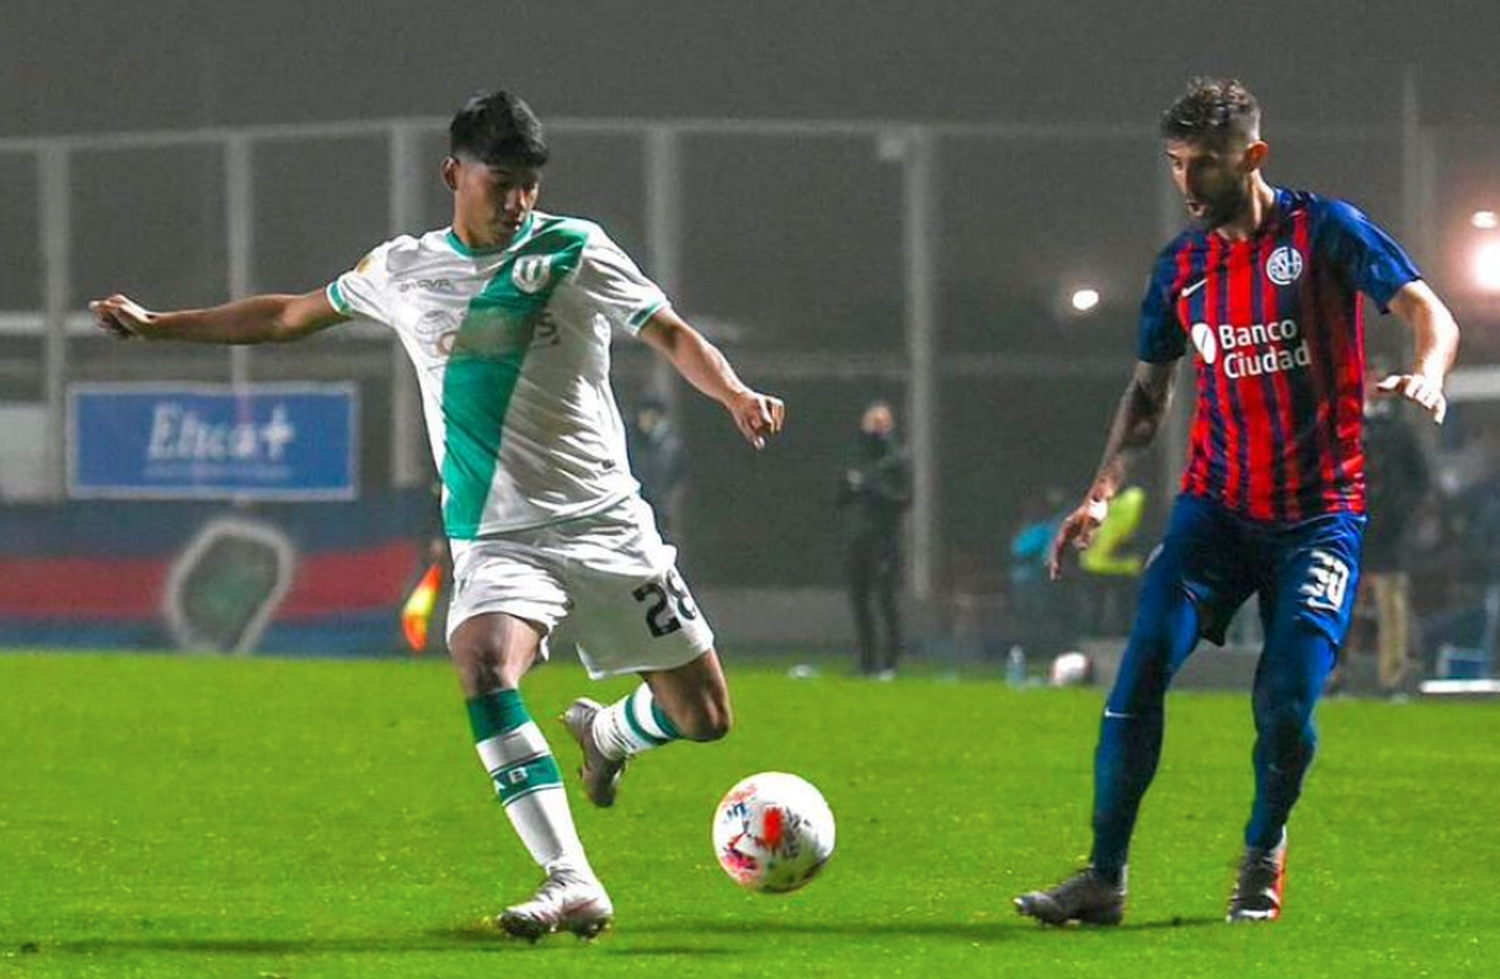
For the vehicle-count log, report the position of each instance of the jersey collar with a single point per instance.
(522, 233)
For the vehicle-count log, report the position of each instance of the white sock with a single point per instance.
(632, 725)
(529, 784)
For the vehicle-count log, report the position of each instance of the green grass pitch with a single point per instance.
(198, 817)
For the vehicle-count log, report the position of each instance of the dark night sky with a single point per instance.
(71, 66)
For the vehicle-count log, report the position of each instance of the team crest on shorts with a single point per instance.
(1284, 266)
(532, 273)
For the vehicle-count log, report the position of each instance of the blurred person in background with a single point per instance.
(1042, 624)
(873, 495)
(1397, 483)
(656, 459)
(507, 316)
(1265, 287)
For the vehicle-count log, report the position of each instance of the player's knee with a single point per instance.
(482, 668)
(1290, 725)
(709, 721)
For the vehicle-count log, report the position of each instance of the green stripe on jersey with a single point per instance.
(485, 366)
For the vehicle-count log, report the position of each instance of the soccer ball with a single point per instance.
(773, 832)
(1070, 670)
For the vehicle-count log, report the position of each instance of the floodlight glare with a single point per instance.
(1485, 220)
(1085, 299)
(1487, 266)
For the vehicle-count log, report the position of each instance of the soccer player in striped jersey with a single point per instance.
(1265, 291)
(507, 316)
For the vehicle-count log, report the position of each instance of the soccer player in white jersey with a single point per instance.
(507, 316)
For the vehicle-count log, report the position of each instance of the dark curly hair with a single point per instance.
(495, 128)
(1212, 110)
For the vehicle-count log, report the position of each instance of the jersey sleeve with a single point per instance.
(1366, 256)
(1160, 338)
(362, 291)
(616, 287)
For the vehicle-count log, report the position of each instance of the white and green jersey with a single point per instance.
(511, 347)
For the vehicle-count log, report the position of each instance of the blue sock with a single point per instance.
(1130, 735)
(1288, 683)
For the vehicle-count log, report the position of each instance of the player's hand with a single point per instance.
(757, 416)
(1078, 530)
(122, 317)
(1418, 388)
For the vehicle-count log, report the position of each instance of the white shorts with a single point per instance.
(605, 583)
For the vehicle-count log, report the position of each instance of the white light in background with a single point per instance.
(1085, 299)
(1487, 266)
(1485, 220)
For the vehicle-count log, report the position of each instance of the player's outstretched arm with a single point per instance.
(258, 319)
(1140, 414)
(1436, 342)
(757, 416)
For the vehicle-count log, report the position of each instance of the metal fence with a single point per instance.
(835, 261)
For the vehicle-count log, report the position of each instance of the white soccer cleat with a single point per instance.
(566, 902)
(599, 773)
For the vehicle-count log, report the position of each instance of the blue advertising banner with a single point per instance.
(258, 442)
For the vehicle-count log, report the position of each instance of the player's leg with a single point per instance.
(1306, 615)
(1165, 632)
(508, 595)
(887, 586)
(492, 652)
(693, 699)
(860, 574)
(1393, 618)
(633, 613)
(688, 702)
(1193, 566)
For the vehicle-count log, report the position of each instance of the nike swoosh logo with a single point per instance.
(1189, 290)
(1116, 714)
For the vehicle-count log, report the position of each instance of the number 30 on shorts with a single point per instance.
(667, 603)
(1327, 582)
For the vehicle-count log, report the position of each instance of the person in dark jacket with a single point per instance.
(656, 459)
(873, 495)
(1397, 480)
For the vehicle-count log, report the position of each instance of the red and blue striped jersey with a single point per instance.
(1277, 323)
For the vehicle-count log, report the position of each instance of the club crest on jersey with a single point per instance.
(532, 273)
(1284, 266)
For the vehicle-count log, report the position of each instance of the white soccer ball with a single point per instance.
(1070, 670)
(773, 832)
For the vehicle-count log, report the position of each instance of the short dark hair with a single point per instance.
(1212, 110)
(497, 127)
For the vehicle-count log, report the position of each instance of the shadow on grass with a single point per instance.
(969, 931)
(482, 939)
(477, 938)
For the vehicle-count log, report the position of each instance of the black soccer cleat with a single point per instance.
(1261, 885)
(1086, 897)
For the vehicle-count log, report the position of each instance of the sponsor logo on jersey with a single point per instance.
(431, 285)
(531, 273)
(1250, 351)
(1203, 339)
(437, 330)
(1284, 266)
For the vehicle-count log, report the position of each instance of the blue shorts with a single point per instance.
(1308, 569)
